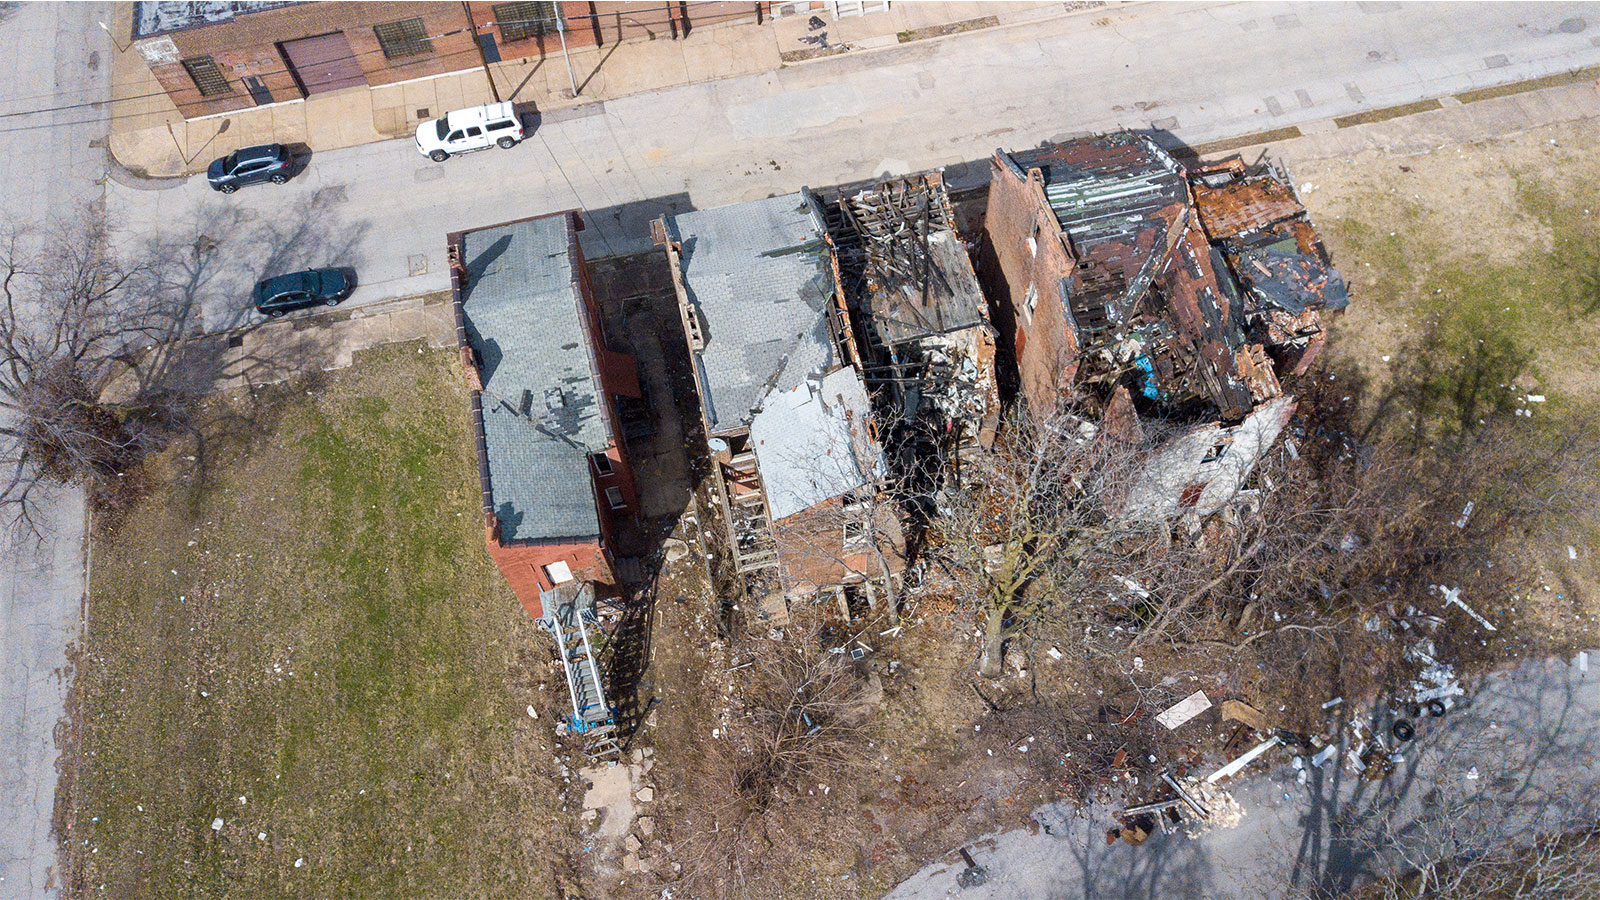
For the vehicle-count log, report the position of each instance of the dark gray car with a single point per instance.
(250, 165)
(317, 287)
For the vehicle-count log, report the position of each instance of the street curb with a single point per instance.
(128, 178)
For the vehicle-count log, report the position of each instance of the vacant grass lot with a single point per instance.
(298, 634)
(1475, 282)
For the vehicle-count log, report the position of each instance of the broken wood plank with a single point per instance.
(1184, 710)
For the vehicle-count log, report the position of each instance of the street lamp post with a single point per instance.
(561, 29)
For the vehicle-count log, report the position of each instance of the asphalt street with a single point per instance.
(1521, 758)
(54, 52)
(1198, 71)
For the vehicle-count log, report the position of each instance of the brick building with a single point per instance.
(220, 55)
(797, 464)
(555, 478)
(1108, 272)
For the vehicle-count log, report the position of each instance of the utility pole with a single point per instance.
(561, 29)
(487, 73)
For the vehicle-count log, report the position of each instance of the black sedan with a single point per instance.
(250, 165)
(317, 287)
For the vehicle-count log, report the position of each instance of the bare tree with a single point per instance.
(76, 320)
(1024, 521)
(802, 719)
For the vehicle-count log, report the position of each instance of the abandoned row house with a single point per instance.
(1133, 286)
(826, 330)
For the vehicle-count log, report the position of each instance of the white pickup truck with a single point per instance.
(466, 130)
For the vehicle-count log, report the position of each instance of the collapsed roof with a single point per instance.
(919, 280)
(813, 443)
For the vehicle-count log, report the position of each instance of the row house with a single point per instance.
(798, 467)
(554, 473)
(927, 339)
(1129, 283)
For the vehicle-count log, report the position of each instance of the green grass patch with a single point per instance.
(1483, 321)
(1385, 114)
(300, 634)
(1506, 90)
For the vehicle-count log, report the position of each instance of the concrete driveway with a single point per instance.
(1531, 735)
(1198, 71)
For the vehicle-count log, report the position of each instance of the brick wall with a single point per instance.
(250, 45)
(523, 567)
(1024, 249)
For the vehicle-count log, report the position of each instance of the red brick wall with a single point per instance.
(247, 45)
(523, 567)
(1044, 343)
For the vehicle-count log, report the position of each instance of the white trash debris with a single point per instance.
(299, 862)
(1325, 755)
(1184, 710)
(1572, 552)
(532, 713)
(1237, 765)
(1472, 773)
(216, 824)
(1535, 398)
(1054, 653)
(1466, 513)
(1332, 703)
(1453, 596)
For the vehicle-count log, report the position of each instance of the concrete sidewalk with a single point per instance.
(150, 138)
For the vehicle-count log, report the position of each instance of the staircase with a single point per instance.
(569, 617)
(749, 527)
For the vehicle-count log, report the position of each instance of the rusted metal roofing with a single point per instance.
(1247, 204)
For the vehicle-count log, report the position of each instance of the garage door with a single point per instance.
(324, 63)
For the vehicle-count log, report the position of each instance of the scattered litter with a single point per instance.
(1325, 755)
(1472, 773)
(1234, 767)
(1583, 660)
(1054, 653)
(1572, 553)
(1332, 703)
(1184, 710)
(1453, 595)
(216, 824)
(1138, 663)
(532, 713)
(299, 862)
(261, 835)
(1535, 398)
(1466, 513)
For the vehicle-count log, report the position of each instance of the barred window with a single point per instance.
(525, 20)
(207, 77)
(406, 37)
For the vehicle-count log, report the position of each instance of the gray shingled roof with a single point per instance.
(541, 406)
(758, 277)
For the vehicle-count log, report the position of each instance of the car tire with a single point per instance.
(228, 188)
(275, 314)
(438, 156)
(506, 143)
(279, 178)
(333, 301)
(1436, 708)
(1402, 730)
